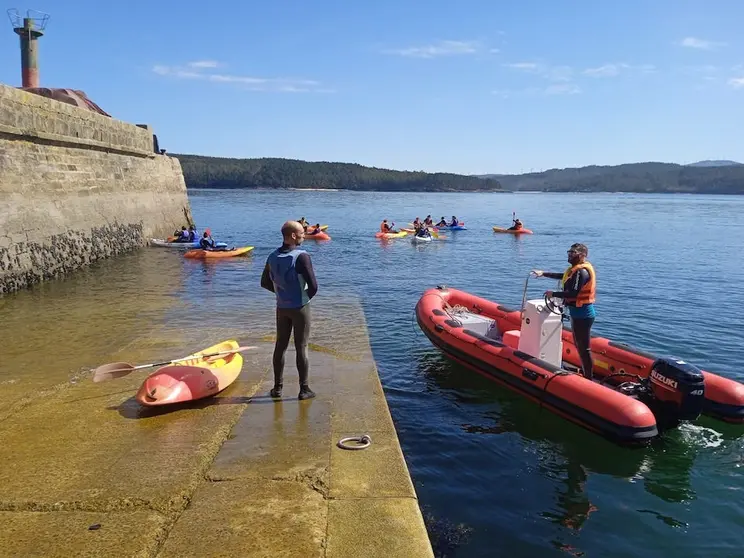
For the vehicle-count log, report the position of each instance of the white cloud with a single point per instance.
(645, 68)
(607, 70)
(737, 83)
(615, 69)
(176, 72)
(494, 50)
(552, 73)
(441, 48)
(204, 64)
(702, 44)
(286, 85)
(526, 66)
(563, 89)
(561, 75)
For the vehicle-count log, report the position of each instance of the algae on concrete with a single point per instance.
(238, 474)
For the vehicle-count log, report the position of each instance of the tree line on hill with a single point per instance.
(706, 177)
(218, 172)
(635, 177)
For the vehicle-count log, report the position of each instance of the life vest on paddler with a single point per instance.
(384, 227)
(587, 294)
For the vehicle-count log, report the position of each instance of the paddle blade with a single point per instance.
(112, 371)
(116, 370)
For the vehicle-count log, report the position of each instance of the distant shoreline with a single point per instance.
(418, 192)
(293, 174)
(355, 190)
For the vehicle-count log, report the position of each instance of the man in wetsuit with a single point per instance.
(579, 285)
(289, 274)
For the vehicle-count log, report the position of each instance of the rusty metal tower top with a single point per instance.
(29, 29)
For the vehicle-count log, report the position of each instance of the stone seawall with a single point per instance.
(76, 187)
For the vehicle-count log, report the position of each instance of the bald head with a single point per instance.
(292, 232)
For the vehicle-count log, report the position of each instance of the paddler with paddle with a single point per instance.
(385, 228)
(579, 286)
(207, 243)
(517, 226)
(289, 274)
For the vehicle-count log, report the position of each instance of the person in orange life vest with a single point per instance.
(417, 223)
(579, 283)
(385, 228)
(428, 221)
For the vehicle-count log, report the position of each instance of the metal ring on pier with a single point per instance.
(364, 440)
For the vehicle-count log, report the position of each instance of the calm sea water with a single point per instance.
(494, 474)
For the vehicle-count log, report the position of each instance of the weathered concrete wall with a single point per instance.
(75, 187)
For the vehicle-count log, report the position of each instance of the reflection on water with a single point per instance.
(495, 475)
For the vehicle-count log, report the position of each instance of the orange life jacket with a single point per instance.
(383, 227)
(587, 294)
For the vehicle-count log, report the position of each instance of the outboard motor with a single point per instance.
(675, 391)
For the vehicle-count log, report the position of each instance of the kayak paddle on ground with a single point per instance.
(120, 369)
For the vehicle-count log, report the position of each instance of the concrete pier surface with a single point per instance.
(89, 472)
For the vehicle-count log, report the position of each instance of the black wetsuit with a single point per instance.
(292, 319)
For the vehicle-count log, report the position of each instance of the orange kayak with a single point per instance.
(319, 236)
(200, 254)
(194, 379)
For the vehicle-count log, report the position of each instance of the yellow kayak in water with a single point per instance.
(399, 234)
(216, 254)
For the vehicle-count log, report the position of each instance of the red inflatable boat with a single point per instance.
(487, 337)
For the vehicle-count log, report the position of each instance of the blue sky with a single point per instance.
(468, 87)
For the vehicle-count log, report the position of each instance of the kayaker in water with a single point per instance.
(579, 286)
(442, 223)
(385, 228)
(454, 222)
(417, 223)
(182, 235)
(193, 235)
(289, 274)
(207, 243)
(428, 221)
(315, 229)
(516, 226)
(423, 231)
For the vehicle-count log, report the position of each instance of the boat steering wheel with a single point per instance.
(552, 305)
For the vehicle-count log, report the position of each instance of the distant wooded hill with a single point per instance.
(705, 177)
(218, 172)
